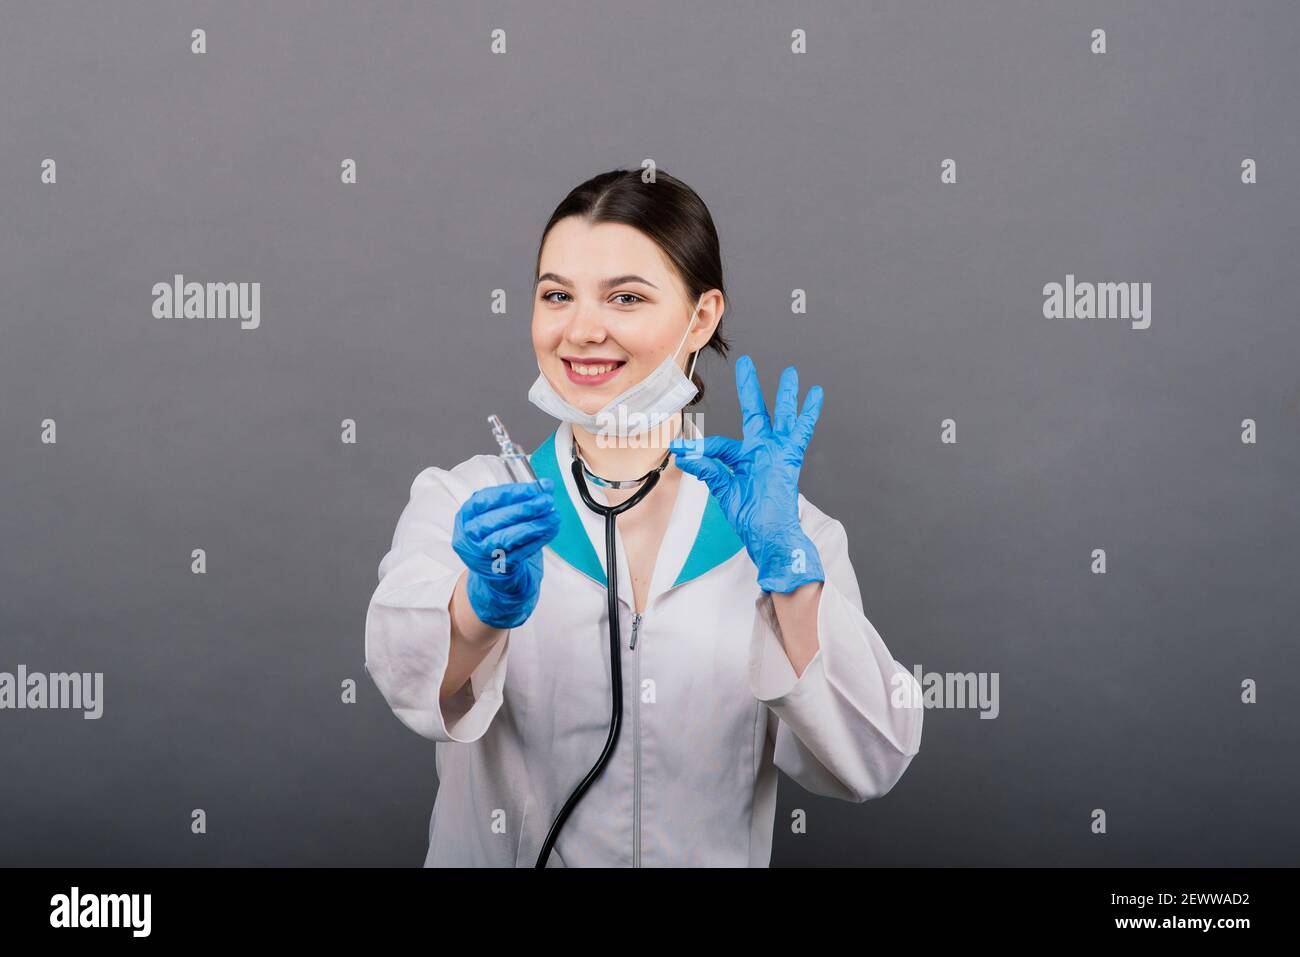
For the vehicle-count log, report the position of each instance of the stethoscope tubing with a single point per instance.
(610, 512)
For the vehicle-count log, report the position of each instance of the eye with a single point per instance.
(633, 295)
(554, 292)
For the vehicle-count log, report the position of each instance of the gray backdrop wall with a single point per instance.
(1119, 691)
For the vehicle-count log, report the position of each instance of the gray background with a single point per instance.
(822, 171)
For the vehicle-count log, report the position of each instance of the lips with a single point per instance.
(591, 371)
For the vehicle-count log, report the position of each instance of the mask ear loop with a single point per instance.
(696, 354)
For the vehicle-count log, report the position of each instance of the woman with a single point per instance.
(742, 638)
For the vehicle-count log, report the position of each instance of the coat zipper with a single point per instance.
(636, 742)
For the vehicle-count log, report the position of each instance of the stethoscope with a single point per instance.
(581, 475)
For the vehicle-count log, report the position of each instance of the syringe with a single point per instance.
(516, 459)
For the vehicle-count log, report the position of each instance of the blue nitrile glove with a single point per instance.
(499, 534)
(756, 480)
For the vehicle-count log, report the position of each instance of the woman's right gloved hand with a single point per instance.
(499, 535)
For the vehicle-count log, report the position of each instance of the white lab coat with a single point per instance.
(712, 705)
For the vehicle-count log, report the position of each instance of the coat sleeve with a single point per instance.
(408, 622)
(849, 726)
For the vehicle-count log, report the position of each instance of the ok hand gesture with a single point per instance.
(756, 479)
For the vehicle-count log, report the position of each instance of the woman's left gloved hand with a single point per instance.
(756, 480)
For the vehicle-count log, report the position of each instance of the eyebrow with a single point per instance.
(605, 283)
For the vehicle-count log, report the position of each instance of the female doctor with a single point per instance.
(742, 641)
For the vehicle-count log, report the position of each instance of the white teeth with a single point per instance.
(591, 370)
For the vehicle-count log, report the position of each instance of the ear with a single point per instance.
(712, 306)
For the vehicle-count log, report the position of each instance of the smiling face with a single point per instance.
(609, 307)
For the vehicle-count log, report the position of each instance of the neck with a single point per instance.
(620, 459)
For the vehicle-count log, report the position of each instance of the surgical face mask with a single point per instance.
(645, 405)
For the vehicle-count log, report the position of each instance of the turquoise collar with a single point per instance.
(715, 540)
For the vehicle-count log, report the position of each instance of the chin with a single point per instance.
(587, 404)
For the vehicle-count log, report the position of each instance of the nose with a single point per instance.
(586, 324)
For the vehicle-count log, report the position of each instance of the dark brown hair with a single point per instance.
(670, 213)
